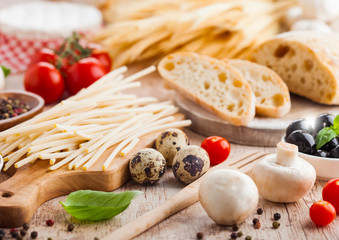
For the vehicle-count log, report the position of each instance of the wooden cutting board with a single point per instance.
(32, 185)
(261, 131)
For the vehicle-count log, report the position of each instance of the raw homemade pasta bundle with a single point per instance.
(80, 129)
(140, 30)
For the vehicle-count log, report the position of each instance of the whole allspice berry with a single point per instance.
(200, 235)
(70, 227)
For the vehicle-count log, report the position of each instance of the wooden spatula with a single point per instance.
(185, 198)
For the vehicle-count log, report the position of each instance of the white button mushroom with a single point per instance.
(228, 196)
(169, 142)
(283, 177)
(147, 166)
(190, 163)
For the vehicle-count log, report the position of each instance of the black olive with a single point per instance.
(299, 124)
(330, 145)
(321, 153)
(334, 152)
(323, 120)
(303, 140)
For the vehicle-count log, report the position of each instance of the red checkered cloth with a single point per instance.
(15, 53)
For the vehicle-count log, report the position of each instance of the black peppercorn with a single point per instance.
(234, 235)
(200, 235)
(248, 238)
(276, 216)
(22, 232)
(25, 226)
(70, 227)
(260, 211)
(2, 232)
(49, 238)
(96, 238)
(34, 234)
(275, 224)
(2, 236)
(240, 234)
(235, 228)
(255, 220)
(14, 234)
(18, 238)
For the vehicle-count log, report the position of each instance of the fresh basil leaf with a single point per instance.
(324, 135)
(96, 205)
(335, 125)
(5, 70)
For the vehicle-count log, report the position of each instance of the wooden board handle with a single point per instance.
(26, 190)
(186, 197)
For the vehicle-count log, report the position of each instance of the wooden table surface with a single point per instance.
(295, 221)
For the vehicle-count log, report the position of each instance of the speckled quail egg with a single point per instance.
(147, 166)
(190, 163)
(170, 142)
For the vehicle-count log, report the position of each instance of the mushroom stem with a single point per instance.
(286, 154)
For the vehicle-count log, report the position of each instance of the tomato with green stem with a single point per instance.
(45, 80)
(322, 213)
(218, 149)
(83, 73)
(44, 55)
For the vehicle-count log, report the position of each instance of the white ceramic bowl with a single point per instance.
(326, 168)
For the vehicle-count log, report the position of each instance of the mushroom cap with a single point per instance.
(228, 196)
(283, 184)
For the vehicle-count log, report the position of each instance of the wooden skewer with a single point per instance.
(185, 198)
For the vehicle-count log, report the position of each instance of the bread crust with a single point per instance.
(236, 120)
(322, 48)
(256, 70)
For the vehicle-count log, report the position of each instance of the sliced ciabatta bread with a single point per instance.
(212, 83)
(271, 93)
(307, 61)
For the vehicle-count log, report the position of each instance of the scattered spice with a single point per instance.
(25, 226)
(260, 211)
(248, 238)
(18, 238)
(96, 238)
(34, 234)
(50, 222)
(14, 234)
(10, 107)
(49, 238)
(200, 235)
(255, 220)
(234, 235)
(276, 216)
(12, 230)
(1, 236)
(276, 224)
(235, 228)
(257, 225)
(70, 227)
(240, 234)
(22, 232)
(2, 232)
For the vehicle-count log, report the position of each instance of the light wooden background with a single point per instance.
(295, 221)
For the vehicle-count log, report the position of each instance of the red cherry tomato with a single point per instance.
(331, 193)
(217, 148)
(83, 73)
(322, 213)
(103, 58)
(45, 80)
(43, 55)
